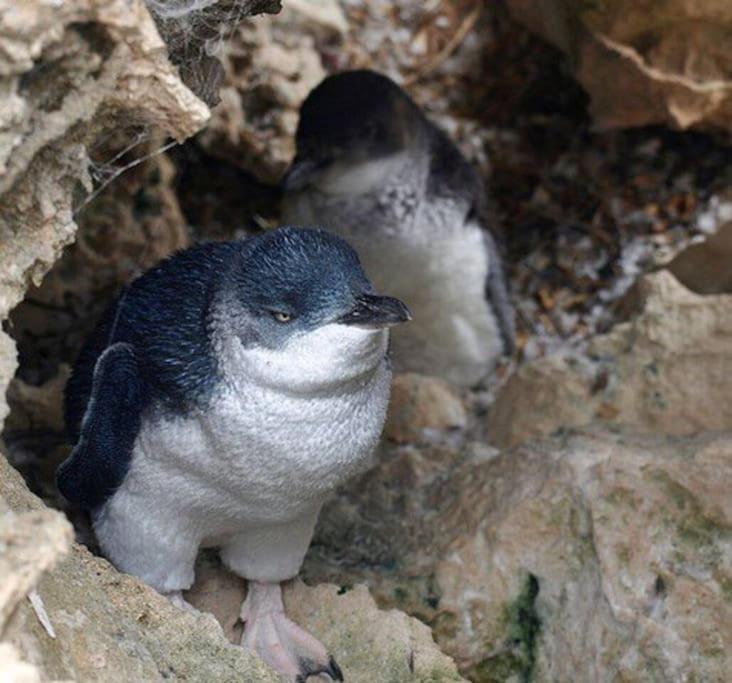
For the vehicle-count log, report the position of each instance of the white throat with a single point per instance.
(325, 359)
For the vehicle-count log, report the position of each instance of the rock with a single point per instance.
(8, 364)
(30, 543)
(108, 626)
(128, 228)
(419, 404)
(37, 407)
(705, 267)
(369, 644)
(325, 16)
(372, 644)
(13, 669)
(666, 64)
(589, 557)
(666, 370)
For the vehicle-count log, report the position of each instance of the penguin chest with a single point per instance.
(257, 455)
(302, 444)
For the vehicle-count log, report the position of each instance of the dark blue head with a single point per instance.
(350, 118)
(291, 281)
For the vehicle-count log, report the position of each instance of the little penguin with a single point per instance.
(370, 166)
(220, 400)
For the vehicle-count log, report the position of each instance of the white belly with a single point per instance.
(250, 472)
(258, 458)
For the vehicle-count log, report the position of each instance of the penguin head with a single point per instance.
(351, 119)
(298, 297)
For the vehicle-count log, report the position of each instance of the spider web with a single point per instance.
(195, 32)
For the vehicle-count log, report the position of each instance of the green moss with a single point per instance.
(700, 530)
(497, 669)
(622, 496)
(725, 583)
(624, 554)
(517, 658)
(698, 533)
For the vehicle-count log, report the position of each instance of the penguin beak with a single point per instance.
(300, 174)
(374, 312)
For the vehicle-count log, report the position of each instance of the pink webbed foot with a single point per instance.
(280, 642)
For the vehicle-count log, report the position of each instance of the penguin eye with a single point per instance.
(281, 317)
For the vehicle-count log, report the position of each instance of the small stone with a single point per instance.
(420, 403)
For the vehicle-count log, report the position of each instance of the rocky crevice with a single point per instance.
(593, 543)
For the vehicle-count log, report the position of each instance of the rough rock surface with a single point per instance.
(420, 405)
(31, 542)
(599, 556)
(667, 370)
(705, 267)
(369, 644)
(658, 63)
(130, 226)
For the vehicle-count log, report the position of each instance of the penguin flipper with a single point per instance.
(496, 292)
(101, 457)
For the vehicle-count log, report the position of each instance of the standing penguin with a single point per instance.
(223, 396)
(373, 168)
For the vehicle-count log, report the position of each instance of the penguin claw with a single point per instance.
(280, 642)
(309, 668)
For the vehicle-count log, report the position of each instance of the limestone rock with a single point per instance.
(591, 557)
(37, 406)
(8, 363)
(420, 404)
(644, 64)
(30, 543)
(369, 644)
(373, 644)
(13, 669)
(128, 228)
(666, 370)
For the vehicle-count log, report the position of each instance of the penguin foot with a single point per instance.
(280, 642)
(176, 597)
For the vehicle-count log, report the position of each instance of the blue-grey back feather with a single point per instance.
(100, 459)
(151, 347)
(453, 178)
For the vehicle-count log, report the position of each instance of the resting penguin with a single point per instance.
(371, 167)
(223, 396)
